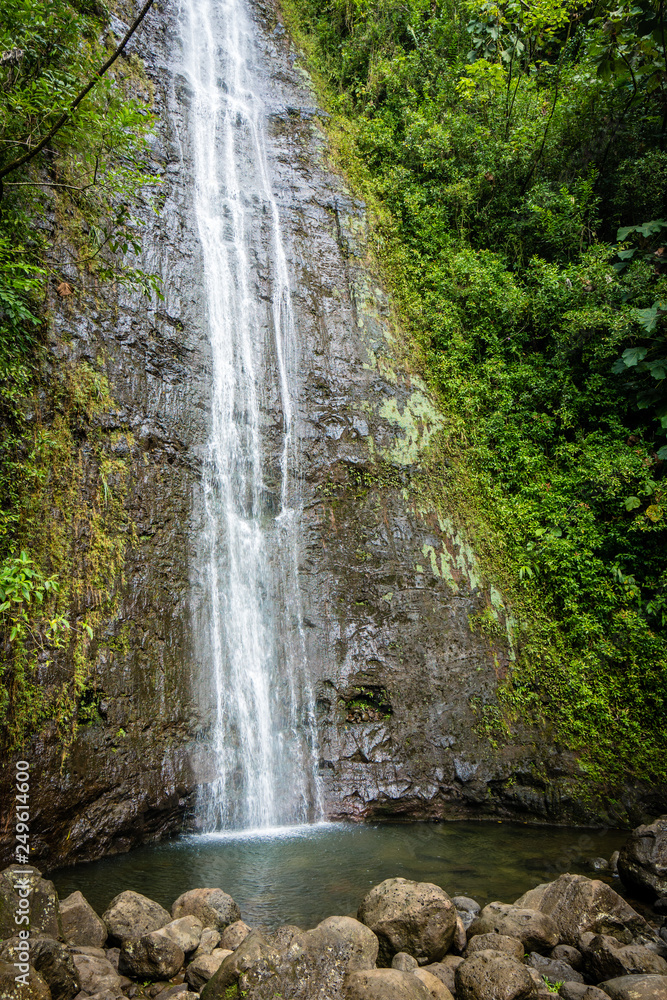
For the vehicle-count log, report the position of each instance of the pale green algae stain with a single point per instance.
(444, 563)
(497, 609)
(419, 421)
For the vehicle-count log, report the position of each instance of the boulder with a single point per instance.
(444, 973)
(113, 955)
(466, 908)
(606, 958)
(554, 970)
(213, 907)
(460, 939)
(80, 923)
(55, 965)
(186, 932)
(434, 985)
(642, 862)
(179, 992)
(404, 962)
(234, 934)
(35, 989)
(544, 990)
(636, 988)
(256, 947)
(310, 965)
(384, 984)
(210, 939)
(103, 995)
(362, 940)
(416, 917)
(578, 905)
(566, 953)
(42, 899)
(131, 915)
(497, 942)
(493, 975)
(152, 956)
(580, 991)
(535, 930)
(96, 974)
(202, 967)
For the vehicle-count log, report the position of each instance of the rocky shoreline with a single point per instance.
(575, 937)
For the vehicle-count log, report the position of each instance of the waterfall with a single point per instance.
(264, 736)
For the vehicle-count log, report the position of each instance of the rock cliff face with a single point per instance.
(390, 585)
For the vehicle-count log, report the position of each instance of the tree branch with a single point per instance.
(66, 115)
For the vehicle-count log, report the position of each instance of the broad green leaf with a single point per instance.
(633, 355)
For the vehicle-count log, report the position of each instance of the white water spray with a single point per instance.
(264, 739)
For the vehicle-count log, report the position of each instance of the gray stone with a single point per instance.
(433, 984)
(210, 939)
(642, 863)
(213, 907)
(554, 970)
(96, 974)
(537, 931)
(153, 956)
(35, 989)
(445, 973)
(384, 984)
(202, 967)
(581, 905)
(493, 975)
(606, 958)
(512, 946)
(362, 940)
(636, 988)
(55, 965)
(179, 992)
(404, 962)
(80, 923)
(581, 991)
(130, 915)
(460, 939)
(186, 932)
(566, 953)
(42, 902)
(301, 965)
(112, 955)
(416, 917)
(234, 934)
(466, 908)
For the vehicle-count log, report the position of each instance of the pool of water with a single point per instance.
(300, 875)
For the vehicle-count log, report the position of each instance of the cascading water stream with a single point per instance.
(264, 739)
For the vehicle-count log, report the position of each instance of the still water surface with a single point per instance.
(300, 875)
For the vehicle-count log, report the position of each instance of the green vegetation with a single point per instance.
(71, 173)
(513, 156)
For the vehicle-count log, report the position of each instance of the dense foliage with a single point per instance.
(516, 156)
(67, 212)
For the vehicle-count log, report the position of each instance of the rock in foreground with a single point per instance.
(642, 863)
(580, 905)
(130, 915)
(213, 907)
(416, 917)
